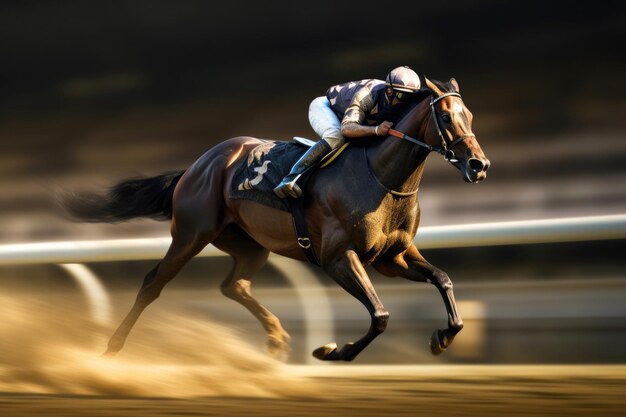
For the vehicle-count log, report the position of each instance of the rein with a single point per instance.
(384, 187)
(445, 149)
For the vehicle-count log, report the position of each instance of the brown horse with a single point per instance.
(362, 210)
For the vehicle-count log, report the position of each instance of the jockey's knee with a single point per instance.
(325, 122)
(333, 138)
(318, 103)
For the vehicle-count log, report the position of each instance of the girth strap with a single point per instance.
(298, 213)
(302, 230)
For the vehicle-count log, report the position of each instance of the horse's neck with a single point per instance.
(397, 163)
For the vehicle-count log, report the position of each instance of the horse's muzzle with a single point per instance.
(475, 169)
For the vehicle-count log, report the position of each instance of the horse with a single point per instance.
(362, 210)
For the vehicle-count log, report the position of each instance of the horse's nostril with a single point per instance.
(476, 165)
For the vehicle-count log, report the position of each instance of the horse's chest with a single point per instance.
(385, 230)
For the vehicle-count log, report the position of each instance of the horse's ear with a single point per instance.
(433, 87)
(454, 85)
(422, 79)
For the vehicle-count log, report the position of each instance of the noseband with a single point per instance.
(445, 149)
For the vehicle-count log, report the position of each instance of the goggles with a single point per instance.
(403, 96)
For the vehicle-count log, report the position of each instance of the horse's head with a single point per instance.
(451, 130)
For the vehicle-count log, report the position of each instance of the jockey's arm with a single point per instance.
(355, 130)
(352, 123)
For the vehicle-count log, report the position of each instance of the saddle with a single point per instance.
(265, 167)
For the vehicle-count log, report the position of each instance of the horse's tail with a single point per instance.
(134, 197)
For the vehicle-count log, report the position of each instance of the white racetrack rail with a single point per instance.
(466, 235)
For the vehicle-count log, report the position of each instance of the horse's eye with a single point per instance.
(446, 117)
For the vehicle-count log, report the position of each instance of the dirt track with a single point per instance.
(179, 362)
(348, 390)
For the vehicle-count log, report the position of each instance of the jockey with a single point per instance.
(352, 110)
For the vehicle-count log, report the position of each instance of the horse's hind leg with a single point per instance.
(350, 274)
(181, 250)
(248, 258)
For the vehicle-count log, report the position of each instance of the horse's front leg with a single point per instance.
(348, 272)
(412, 265)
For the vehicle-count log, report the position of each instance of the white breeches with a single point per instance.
(325, 122)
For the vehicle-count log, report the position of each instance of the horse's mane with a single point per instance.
(446, 87)
(424, 93)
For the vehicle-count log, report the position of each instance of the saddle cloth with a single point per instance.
(265, 167)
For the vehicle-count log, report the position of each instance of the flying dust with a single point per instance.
(177, 362)
(49, 345)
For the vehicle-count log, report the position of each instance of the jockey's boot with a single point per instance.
(288, 186)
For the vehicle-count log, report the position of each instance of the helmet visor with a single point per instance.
(402, 87)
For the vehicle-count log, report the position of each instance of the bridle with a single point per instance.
(445, 149)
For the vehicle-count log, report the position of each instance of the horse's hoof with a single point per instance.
(436, 347)
(326, 352)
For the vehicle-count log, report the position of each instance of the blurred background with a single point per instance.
(92, 93)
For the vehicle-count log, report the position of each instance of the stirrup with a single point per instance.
(288, 188)
(308, 160)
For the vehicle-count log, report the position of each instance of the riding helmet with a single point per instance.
(403, 79)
